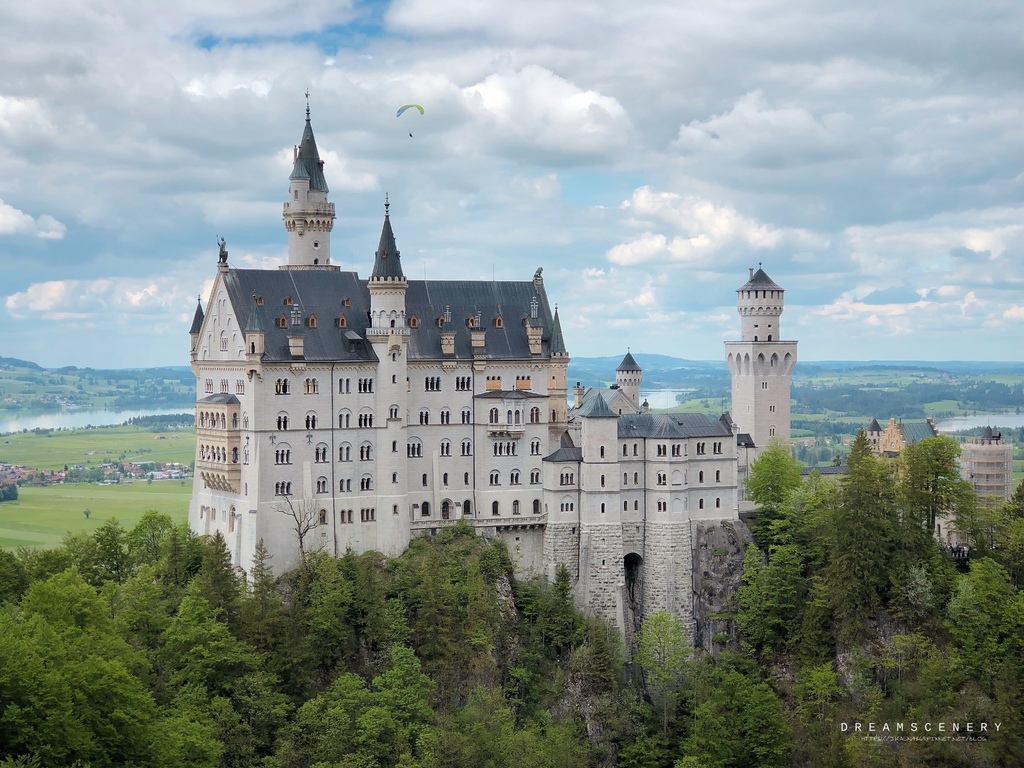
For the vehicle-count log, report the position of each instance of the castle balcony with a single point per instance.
(219, 475)
(514, 431)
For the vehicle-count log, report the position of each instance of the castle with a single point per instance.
(337, 412)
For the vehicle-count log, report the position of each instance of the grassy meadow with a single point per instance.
(91, 447)
(42, 515)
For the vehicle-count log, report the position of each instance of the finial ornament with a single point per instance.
(307, 103)
(223, 256)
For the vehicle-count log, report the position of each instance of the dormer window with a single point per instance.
(282, 322)
(499, 322)
(414, 322)
(288, 301)
(471, 321)
(440, 321)
(346, 302)
(259, 301)
(311, 321)
(342, 322)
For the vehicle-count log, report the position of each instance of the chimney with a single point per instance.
(577, 395)
(751, 272)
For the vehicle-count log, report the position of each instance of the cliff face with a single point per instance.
(718, 549)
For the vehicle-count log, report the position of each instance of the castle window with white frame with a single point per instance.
(424, 416)
(662, 478)
(718, 475)
(283, 454)
(467, 448)
(467, 416)
(446, 448)
(366, 483)
(764, 385)
(282, 421)
(535, 415)
(535, 477)
(345, 452)
(209, 386)
(366, 420)
(495, 477)
(717, 448)
(414, 449)
(320, 453)
(281, 387)
(446, 416)
(224, 386)
(393, 412)
(310, 420)
(495, 508)
(513, 478)
(535, 448)
(321, 485)
(239, 386)
(366, 452)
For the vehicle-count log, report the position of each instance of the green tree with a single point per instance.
(112, 556)
(662, 652)
(741, 725)
(930, 486)
(770, 596)
(148, 540)
(861, 539)
(774, 478)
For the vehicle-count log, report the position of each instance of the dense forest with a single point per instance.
(142, 647)
(906, 401)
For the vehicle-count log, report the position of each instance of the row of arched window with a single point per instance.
(211, 420)
(218, 454)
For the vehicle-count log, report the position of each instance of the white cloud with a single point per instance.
(99, 300)
(15, 222)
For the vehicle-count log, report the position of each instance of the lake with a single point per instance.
(74, 419)
(1000, 420)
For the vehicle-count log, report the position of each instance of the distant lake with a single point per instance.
(1002, 420)
(664, 398)
(76, 419)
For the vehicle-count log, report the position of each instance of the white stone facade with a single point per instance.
(363, 412)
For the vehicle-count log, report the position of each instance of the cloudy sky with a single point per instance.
(645, 154)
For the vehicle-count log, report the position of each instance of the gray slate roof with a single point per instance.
(595, 408)
(197, 318)
(916, 431)
(874, 426)
(566, 453)
(761, 282)
(321, 293)
(557, 342)
(308, 163)
(222, 398)
(628, 364)
(387, 262)
(670, 426)
(509, 394)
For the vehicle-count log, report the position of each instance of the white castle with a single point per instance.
(335, 412)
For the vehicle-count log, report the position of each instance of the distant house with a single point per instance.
(898, 434)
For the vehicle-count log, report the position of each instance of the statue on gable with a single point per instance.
(223, 258)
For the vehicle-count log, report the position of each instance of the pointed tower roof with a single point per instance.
(254, 325)
(874, 426)
(557, 342)
(596, 408)
(197, 319)
(628, 363)
(387, 261)
(760, 281)
(308, 164)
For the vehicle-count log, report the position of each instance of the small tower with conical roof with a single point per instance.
(628, 377)
(761, 364)
(388, 333)
(308, 215)
(197, 327)
(558, 386)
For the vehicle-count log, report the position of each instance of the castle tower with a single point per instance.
(602, 577)
(308, 216)
(628, 377)
(761, 364)
(388, 333)
(558, 386)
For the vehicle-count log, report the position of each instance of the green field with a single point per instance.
(52, 450)
(42, 515)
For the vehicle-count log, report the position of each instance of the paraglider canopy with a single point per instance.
(408, 106)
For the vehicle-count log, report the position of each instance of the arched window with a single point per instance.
(536, 506)
(495, 509)
(515, 507)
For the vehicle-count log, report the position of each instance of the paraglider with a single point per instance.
(408, 106)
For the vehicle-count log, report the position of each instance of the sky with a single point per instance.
(870, 156)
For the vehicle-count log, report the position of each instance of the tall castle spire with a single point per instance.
(387, 261)
(308, 215)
